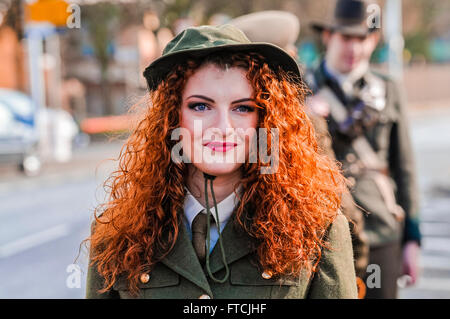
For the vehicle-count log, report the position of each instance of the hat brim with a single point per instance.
(352, 30)
(275, 57)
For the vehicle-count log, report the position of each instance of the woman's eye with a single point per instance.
(245, 108)
(198, 107)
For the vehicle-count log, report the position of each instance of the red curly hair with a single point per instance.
(290, 209)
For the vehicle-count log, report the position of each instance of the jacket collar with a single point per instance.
(183, 260)
(236, 242)
(324, 78)
(226, 207)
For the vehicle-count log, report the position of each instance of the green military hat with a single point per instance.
(198, 42)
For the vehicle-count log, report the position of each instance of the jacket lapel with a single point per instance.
(236, 243)
(183, 260)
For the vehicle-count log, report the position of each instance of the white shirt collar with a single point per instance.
(346, 81)
(226, 207)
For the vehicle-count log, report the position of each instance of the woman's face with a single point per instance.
(220, 117)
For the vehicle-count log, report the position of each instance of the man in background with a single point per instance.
(365, 115)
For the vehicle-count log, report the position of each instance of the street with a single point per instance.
(430, 131)
(44, 219)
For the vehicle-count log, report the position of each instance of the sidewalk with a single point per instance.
(430, 132)
(86, 162)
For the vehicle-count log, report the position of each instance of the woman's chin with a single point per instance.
(219, 169)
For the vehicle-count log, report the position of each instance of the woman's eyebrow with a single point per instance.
(202, 97)
(243, 100)
(212, 101)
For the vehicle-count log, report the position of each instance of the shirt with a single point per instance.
(226, 207)
(346, 81)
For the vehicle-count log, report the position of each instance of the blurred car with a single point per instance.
(19, 135)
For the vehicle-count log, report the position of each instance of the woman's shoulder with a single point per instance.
(336, 245)
(335, 277)
(339, 225)
(339, 228)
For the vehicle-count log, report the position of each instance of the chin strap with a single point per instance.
(208, 237)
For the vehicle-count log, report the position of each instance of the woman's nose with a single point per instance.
(224, 123)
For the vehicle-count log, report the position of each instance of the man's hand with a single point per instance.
(411, 253)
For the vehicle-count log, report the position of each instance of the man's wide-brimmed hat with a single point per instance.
(278, 27)
(349, 17)
(199, 42)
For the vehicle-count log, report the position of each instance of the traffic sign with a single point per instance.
(52, 11)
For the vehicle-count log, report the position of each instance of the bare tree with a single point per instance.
(103, 21)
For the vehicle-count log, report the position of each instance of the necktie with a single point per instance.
(199, 229)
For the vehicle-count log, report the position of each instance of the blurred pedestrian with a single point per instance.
(177, 226)
(73, 98)
(367, 121)
(282, 29)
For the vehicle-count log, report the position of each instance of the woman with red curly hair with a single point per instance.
(221, 190)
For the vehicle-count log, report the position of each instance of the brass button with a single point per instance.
(145, 278)
(204, 297)
(267, 274)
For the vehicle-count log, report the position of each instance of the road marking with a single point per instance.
(33, 240)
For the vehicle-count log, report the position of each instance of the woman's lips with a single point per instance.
(220, 146)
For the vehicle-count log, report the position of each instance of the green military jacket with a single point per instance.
(389, 138)
(180, 276)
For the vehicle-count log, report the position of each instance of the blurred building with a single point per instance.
(12, 66)
(119, 38)
(133, 41)
(12, 60)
